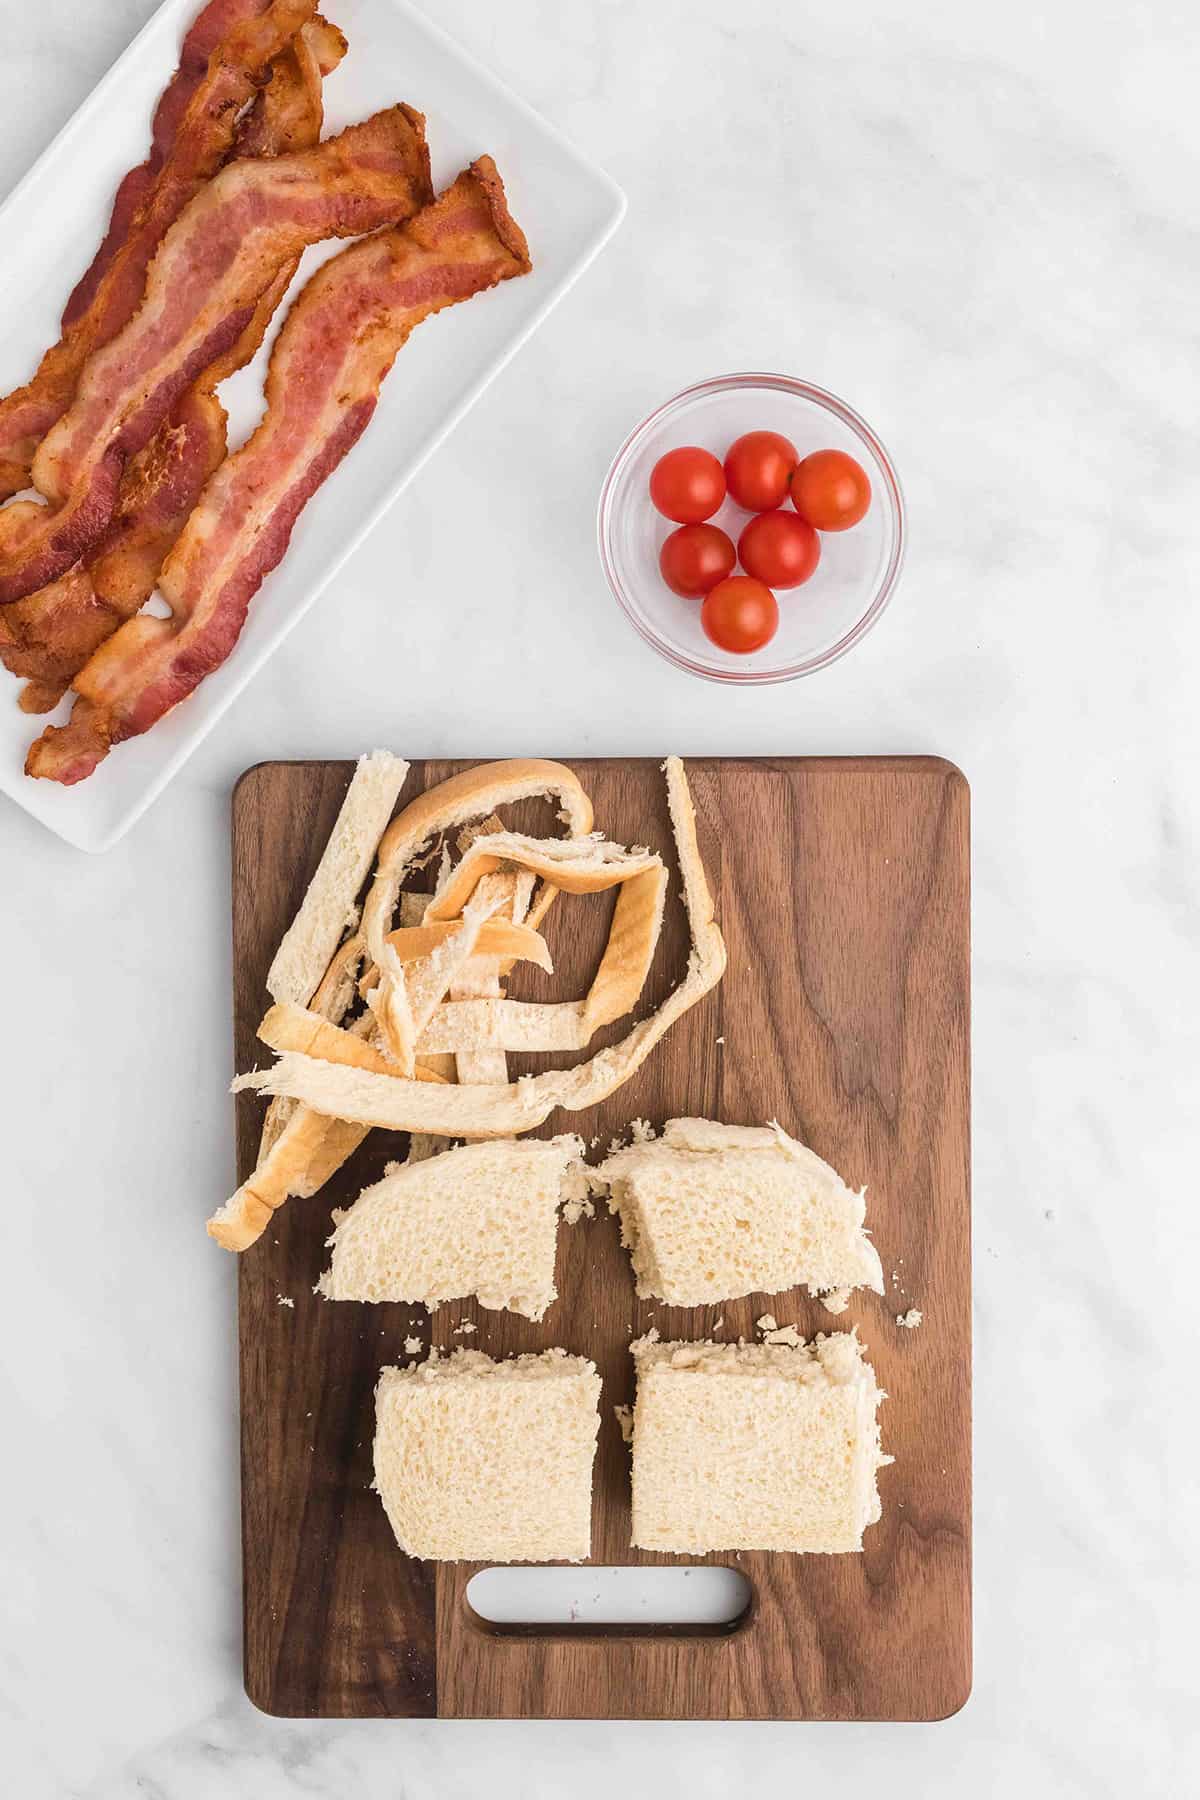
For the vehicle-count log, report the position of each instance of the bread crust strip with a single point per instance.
(498, 937)
(302, 1147)
(311, 940)
(405, 1105)
(404, 1003)
(502, 1024)
(310, 966)
(474, 794)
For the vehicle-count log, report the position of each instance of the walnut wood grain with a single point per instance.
(843, 890)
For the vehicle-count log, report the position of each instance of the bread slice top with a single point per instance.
(481, 1220)
(710, 1212)
(755, 1446)
(480, 1460)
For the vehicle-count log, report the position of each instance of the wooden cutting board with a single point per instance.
(842, 886)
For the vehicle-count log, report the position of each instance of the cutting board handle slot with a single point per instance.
(675, 1600)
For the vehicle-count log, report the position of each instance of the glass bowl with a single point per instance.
(858, 569)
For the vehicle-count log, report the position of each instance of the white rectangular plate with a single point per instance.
(567, 207)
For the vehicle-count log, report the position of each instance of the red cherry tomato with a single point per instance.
(694, 558)
(780, 549)
(687, 485)
(740, 614)
(757, 468)
(831, 490)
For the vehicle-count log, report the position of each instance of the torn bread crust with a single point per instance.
(490, 866)
(299, 1150)
(301, 1159)
(480, 979)
(328, 907)
(330, 991)
(502, 1024)
(472, 795)
(331, 1002)
(475, 794)
(288, 1027)
(300, 1147)
(306, 1147)
(405, 999)
(365, 1097)
(497, 938)
(572, 865)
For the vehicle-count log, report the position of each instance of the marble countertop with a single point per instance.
(977, 224)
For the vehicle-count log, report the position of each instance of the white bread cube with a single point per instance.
(710, 1212)
(488, 1461)
(754, 1446)
(481, 1220)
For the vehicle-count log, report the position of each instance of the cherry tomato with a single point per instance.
(831, 490)
(757, 468)
(780, 549)
(740, 614)
(687, 485)
(694, 558)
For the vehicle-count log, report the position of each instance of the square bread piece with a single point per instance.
(482, 1220)
(488, 1461)
(754, 1446)
(710, 1212)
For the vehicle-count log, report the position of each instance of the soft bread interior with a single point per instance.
(481, 1220)
(710, 1212)
(489, 1461)
(755, 1447)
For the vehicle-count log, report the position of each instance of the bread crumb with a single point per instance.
(720, 1040)
(285, 1300)
(836, 1300)
(910, 1319)
(576, 1190)
(625, 1421)
(768, 1322)
(785, 1334)
(717, 1323)
(641, 1132)
(413, 1346)
(465, 1327)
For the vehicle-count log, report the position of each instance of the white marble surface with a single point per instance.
(977, 223)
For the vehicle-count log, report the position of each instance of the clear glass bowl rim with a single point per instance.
(805, 390)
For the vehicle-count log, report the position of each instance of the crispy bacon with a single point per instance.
(194, 131)
(204, 35)
(336, 346)
(49, 635)
(281, 120)
(223, 253)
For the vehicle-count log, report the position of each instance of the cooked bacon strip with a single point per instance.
(205, 33)
(280, 121)
(318, 47)
(222, 254)
(49, 635)
(337, 344)
(194, 131)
